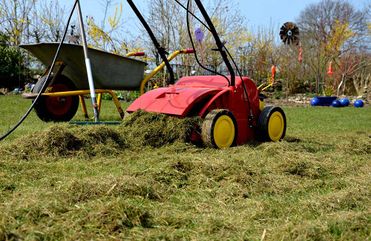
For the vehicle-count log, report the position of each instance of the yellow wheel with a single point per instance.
(272, 124)
(219, 129)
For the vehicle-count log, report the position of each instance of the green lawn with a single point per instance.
(314, 185)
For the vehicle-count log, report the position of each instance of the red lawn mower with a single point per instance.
(231, 107)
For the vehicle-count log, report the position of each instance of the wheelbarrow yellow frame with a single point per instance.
(81, 94)
(161, 66)
(99, 92)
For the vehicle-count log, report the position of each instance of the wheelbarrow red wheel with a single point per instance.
(58, 109)
(271, 124)
(219, 129)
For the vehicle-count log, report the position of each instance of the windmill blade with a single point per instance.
(289, 33)
(295, 31)
(284, 38)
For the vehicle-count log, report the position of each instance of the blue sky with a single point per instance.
(258, 13)
(265, 12)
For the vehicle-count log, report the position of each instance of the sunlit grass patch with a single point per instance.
(63, 182)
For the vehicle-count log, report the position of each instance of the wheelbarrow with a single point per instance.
(69, 80)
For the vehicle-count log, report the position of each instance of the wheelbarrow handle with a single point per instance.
(162, 65)
(187, 51)
(136, 54)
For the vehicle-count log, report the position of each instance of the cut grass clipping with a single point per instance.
(313, 185)
(140, 129)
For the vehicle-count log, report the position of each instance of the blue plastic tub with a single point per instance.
(323, 100)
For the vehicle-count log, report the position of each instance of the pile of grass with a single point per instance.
(156, 130)
(62, 141)
(314, 185)
(287, 189)
(139, 130)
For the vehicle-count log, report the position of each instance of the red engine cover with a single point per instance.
(171, 100)
(205, 93)
(179, 98)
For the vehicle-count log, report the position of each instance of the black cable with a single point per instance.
(199, 20)
(229, 54)
(194, 48)
(193, 15)
(226, 50)
(207, 27)
(251, 116)
(218, 42)
(239, 73)
(234, 63)
(46, 83)
(159, 48)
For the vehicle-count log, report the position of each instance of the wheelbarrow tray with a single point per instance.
(110, 71)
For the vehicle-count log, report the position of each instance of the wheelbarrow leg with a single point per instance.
(83, 106)
(117, 103)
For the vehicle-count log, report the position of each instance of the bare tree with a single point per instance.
(321, 24)
(14, 18)
(108, 34)
(262, 54)
(168, 21)
(350, 65)
(46, 22)
(164, 17)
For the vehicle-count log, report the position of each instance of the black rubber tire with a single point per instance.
(263, 123)
(43, 106)
(208, 125)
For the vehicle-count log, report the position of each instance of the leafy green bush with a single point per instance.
(12, 68)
